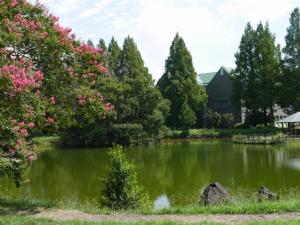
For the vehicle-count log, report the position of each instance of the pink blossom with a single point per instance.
(32, 25)
(109, 106)
(31, 158)
(19, 142)
(13, 3)
(30, 125)
(21, 124)
(16, 129)
(19, 18)
(24, 133)
(39, 25)
(81, 100)
(44, 35)
(38, 75)
(102, 68)
(53, 100)
(20, 78)
(50, 120)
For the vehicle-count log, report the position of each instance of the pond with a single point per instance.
(173, 173)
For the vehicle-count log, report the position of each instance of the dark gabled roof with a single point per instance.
(205, 78)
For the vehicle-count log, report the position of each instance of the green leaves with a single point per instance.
(256, 74)
(121, 189)
(290, 80)
(178, 84)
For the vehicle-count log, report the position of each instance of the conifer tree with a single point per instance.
(131, 64)
(114, 54)
(102, 45)
(256, 74)
(90, 43)
(290, 81)
(178, 84)
(139, 107)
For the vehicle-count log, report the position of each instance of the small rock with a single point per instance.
(214, 194)
(265, 194)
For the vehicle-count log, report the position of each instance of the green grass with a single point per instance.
(234, 208)
(25, 203)
(43, 143)
(27, 220)
(239, 206)
(221, 133)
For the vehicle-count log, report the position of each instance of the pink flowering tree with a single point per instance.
(48, 80)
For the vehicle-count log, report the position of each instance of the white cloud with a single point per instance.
(94, 9)
(210, 28)
(256, 10)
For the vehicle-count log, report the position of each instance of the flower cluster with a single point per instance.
(20, 78)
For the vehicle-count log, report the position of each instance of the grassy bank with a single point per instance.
(43, 143)
(234, 207)
(27, 220)
(221, 133)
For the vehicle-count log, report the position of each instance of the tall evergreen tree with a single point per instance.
(90, 43)
(102, 45)
(290, 89)
(256, 74)
(267, 57)
(114, 54)
(179, 85)
(131, 64)
(244, 80)
(139, 108)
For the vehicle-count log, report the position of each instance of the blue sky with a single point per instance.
(211, 28)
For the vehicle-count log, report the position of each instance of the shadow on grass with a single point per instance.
(23, 206)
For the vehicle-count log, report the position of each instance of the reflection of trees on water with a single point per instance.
(179, 170)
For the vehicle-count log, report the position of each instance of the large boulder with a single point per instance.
(214, 194)
(265, 194)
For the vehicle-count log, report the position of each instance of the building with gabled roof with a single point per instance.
(218, 87)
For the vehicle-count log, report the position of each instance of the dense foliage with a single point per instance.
(47, 80)
(289, 97)
(178, 84)
(139, 109)
(256, 74)
(121, 190)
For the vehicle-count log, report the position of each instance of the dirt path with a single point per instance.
(59, 214)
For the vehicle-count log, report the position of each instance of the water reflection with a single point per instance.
(171, 173)
(294, 163)
(162, 202)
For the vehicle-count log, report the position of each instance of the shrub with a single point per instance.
(121, 190)
(227, 120)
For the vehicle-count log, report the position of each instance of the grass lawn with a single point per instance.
(240, 206)
(221, 133)
(27, 220)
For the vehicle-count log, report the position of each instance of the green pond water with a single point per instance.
(173, 172)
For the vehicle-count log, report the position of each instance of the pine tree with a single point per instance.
(267, 66)
(114, 54)
(102, 45)
(290, 89)
(140, 107)
(178, 84)
(121, 189)
(131, 64)
(256, 74)
(90, 43)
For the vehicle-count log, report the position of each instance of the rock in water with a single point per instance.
(214, 194)
(265, 194)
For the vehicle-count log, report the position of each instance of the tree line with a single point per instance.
(267, 77)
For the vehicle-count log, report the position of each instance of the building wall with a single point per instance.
(219, 92)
